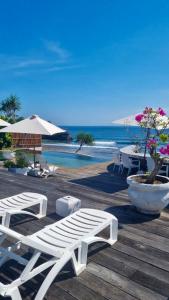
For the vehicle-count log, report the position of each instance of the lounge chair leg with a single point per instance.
(43, 209)
(113, 231)
(6, 219)
(51, 276)
(82, 258)
(5, 222)
(15, 294)
(84, 252)
(78, 266)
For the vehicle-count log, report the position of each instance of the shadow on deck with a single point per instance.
(104, 182)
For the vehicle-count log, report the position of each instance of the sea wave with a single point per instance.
(96, 145)
(99, 149)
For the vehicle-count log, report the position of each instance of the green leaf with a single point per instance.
(164, 137)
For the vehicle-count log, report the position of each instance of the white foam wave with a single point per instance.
(96, 145)
(100, 149)
(105, 143)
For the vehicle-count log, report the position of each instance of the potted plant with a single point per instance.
(149, 192)
(19, 166)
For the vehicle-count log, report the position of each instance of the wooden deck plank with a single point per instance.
(125, 284)
(133, 262)
(145, 274)
(78, 290)
(104, 288)
(146, 238)
(144, 255)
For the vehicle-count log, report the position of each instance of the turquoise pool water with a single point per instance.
(69, 160)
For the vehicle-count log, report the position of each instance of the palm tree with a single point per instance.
(84, 139)
(10, 106)
(5, 108)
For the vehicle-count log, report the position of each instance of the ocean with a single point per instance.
(106, 141)
(120, 134)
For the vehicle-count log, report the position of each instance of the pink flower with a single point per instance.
(164, 150)
(161, 112)
(139, 118)
(151, 143)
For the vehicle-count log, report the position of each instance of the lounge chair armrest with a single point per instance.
(11, 232)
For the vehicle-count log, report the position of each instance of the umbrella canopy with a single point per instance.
(127, 121)
(4, 123)
(33, 125)
(130, 121)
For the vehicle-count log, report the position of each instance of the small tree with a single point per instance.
(84, 139)
(156, 122)
(10, 106)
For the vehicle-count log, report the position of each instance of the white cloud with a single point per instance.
(21, 73)
(8, 62)
(60, 68)
(56, 48)
(30, 63)
(51, 58)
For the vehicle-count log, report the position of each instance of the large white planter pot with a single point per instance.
(21, 171)
(148, 198)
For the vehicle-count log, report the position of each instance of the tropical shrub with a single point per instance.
(21, 161)
(9, 164)
(84, 139)
(5, 140)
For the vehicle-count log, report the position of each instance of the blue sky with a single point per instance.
(85, 62)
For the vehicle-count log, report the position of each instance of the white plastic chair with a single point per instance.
(164, 170)
(59, 240)
(130, 163)
(117, 162)
(18, 203)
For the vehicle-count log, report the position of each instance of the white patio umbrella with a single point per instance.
(127, 121)
(33, 125)
(4, 123)
(130, 121)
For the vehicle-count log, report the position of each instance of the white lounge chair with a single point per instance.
(18, 203)
(42, 170)
(49, 170)
(59, 240)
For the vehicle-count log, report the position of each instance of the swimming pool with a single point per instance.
(69, 160)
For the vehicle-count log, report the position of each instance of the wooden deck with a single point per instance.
(136, 267)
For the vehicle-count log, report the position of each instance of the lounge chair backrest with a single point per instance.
(18, 203)
(66, 233)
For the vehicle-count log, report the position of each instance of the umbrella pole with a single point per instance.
(147, 137)
(34, 156)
